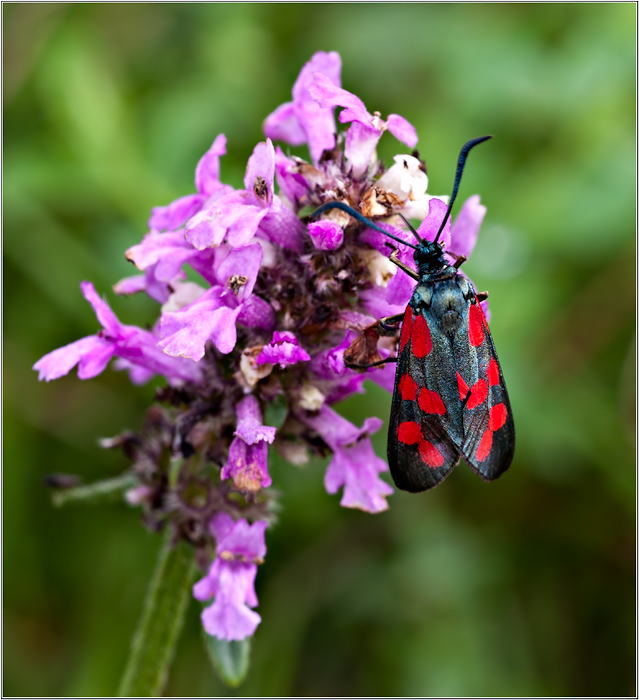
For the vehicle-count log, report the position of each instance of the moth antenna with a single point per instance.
(356, 215)
(410, 226)
(463, 154)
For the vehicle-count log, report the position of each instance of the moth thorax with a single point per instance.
(448, 306)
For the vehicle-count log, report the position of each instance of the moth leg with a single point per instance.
(409, 271)
(459, 260)
(482, 296)
(389, 323)
(370, 364)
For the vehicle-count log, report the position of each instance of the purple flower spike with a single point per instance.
(318, 290)
(133, 344)
(326, 234)
(355, 466)
(303, 120)
(464, 231)
(284, 350)
(231, 578)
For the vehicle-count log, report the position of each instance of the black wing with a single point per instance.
(488, 427)
(425, 433)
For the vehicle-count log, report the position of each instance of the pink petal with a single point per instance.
(175, 215)
(244, 261)
(205, 588)
(61, 361)
(356, 468)
(430, 225)
(229, 622)
(244, 540)
(95, 362)
(283, 350)
(261, 165)
(336, 430)
(374, 301)
(283, 125)
(170, 249)
(465, 229)
(247, 466)
(400, 289)
(207, 172)
(234, 215)
(221, 525)
(361, 142)
(318, 123)
(402, 130)
(326, 234)
(282, 227)
(108, 320)
(249, 422)
(384, 376)
(130, 285)
(329, 64)
(256, 313)
(246, 226)
(327, 94)
(290, 181)
(185, 332)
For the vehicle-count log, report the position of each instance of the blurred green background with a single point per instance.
(522, 587)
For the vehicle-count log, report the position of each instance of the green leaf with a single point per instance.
(154, 641)
(98, 492)
(230, 659)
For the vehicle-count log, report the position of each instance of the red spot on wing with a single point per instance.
(408, 388)
(431, 402)
(493, 372)
(430, 454)
(478, 394)
(409, 432)
(405, 335)
(463, 387)
(498, 415)
(485, 444)
(475, 325)
(421, 343)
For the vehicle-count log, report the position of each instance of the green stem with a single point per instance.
(155, 639)
(106, 490)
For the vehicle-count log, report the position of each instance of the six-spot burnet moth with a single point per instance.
(450, 399)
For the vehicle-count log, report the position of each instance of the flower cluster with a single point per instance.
(282, 308)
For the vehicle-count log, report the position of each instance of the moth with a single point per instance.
(450, 398)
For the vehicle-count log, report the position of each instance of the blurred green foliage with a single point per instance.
(522, 587)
